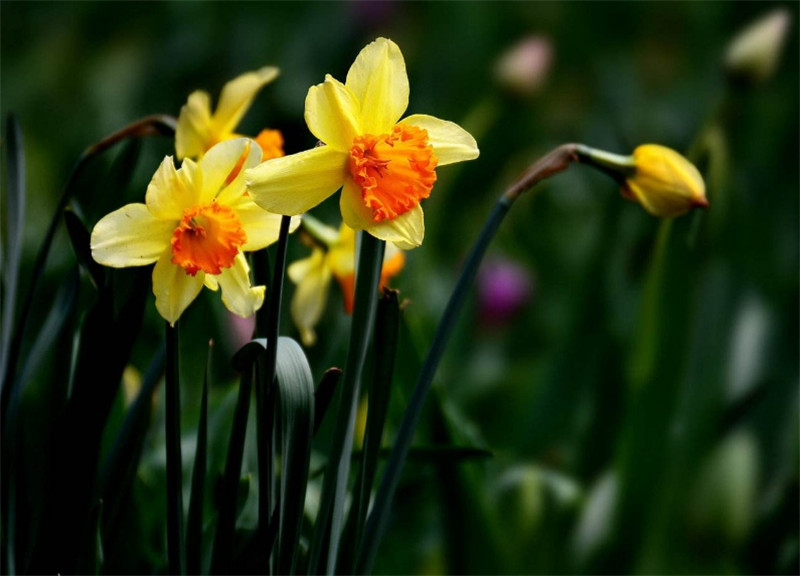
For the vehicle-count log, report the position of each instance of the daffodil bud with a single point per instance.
(665, 183)
(753, 54)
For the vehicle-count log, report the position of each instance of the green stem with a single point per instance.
(266, 385)
(556, 161)
(176, 551)
(335, 483)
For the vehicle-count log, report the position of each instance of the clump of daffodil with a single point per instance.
(664, 182)
(195, 224)
(333, 255)
(384, 165)
(199, 130)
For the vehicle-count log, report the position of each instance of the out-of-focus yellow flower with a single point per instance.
(384, 165)
(196, 223)
(664, 182)
(198, 129)
(753, 54)
(333, 256)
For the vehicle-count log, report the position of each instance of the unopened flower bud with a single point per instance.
(665, 183)
(753, 54)
(524, 67)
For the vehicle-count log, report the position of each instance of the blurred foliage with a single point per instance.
(641, 406)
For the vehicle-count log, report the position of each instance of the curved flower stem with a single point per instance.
(552, 163)
(147, 126)
(176, 549)
(334, 485)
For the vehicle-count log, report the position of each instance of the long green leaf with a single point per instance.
(324, 394)
(296, 396)
(176, 545)
(194, 524)
(334, 486)
(15, 228)
(80, 238)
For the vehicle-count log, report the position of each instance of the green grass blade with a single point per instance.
(386, 330)
(334, 486)
(194, 524)
(222, 556)
(378, 518)
(80, 239)
(176, 545)
(15, 228)
(296, 402)
(324, 394)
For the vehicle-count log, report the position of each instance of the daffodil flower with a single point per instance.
(384, 165)
(199, 130)
(196, 223)
(333, 256)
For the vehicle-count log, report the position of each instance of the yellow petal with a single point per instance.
(171, 191)
(406, 231)
(226, 159)
(174, 288)
(236, 97)
(332, 114)
(378, 79)
(342, 256)
(193, 133)
(354, 212)
(451, 143)
(262, 227)
(130, 236)
(313, 278)
(237, 294)
(294, 184)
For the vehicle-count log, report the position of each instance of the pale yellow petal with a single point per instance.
(342, 255)
(378, 79)
(354, 212)
(332, 114)
(237, 96)
(451, 143)
(406, 231)
(313, 279)
(174, 288)
(224, 161)
(130, 236)
(294, 184)
(210, 282)
(262, 227)
(172, 191)
(237, 294)
(193, 133)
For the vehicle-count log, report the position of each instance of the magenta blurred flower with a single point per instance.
(504, 287)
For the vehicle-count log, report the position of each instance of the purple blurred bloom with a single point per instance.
(504, 287)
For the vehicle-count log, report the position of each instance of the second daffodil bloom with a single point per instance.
(664, 182)
(384, 165)
(195, 224)
(198, 129)
(333, 256)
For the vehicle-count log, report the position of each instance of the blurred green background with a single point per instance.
(642, 411)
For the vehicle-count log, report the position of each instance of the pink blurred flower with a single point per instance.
(504, 287)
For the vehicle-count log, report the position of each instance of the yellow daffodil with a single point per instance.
(664, 182)
(384, 165)
(196, 223)
(333, 256)
(198, 129)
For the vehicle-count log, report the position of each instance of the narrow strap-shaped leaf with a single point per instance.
(176, 545)
(80, 239)
(334, 486)
(386, 326)
(296, 397)
(222, 555)
(15, 228)
(150, 125)
(324, 394)
(194, 523)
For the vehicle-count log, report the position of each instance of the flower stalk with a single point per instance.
(176, 545)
